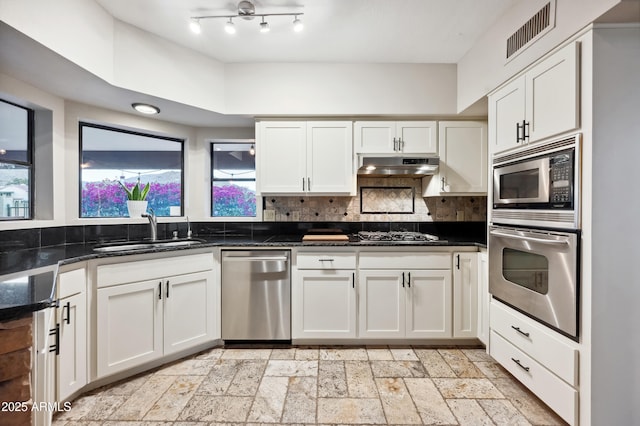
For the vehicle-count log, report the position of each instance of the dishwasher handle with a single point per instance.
(256, 258)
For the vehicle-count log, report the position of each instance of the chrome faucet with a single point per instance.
(153, 224)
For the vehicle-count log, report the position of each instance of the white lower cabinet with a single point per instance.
(138, 321)
(411, 302)
(71, 318)
(483, 298)
(324, 296)
(465, 295)
(542, 360)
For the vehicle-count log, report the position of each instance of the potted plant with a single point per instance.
(136, 198)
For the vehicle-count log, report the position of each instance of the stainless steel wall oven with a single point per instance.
(534, 236)
(537, 272)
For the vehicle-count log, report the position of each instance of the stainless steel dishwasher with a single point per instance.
(256, 295)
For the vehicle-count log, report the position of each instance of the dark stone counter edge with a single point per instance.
(73, 253)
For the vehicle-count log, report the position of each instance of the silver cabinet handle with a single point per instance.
(308, 184)
(395, 144)
(303, 184)
(325, 260)
(255, 259)
(167, 289)
(400, 144)
(353, 280)
(442, 185)
(517, 361)
(409, 279)
(530, 239)
(520, 331)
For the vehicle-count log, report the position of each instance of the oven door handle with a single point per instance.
(533, 239)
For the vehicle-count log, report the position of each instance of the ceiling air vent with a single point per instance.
(539, 24)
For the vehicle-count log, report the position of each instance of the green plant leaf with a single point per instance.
(145, 191)
(127, 190)
(136, 192)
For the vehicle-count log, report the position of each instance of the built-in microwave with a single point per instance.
(538, 185)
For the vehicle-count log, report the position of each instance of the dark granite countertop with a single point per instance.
(32, 292)
(26, 293)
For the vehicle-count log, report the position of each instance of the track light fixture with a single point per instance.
(246, 11)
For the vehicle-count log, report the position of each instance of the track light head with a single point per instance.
(195, 26)
(230, 27)
(297, 24)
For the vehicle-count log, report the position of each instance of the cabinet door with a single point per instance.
(129, 326)
(428, 303)
(189, 311)
(463, 156)
(483, 298)
(506, 110)
(282, 156)
(324, 304)
(552, 94)
(417, 137)
(381, 304)
(375, 137)
(465, 294)
(72, 361)
(330, 167)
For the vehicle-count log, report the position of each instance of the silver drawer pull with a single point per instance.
(520, 331)
(517, 361)
(325, 260)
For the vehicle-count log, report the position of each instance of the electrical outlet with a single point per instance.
(460, 215)
(269, 215)
(295, 216)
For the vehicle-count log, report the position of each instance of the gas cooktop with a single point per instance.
(395, 237)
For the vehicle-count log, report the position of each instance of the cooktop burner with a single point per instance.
(395, 236)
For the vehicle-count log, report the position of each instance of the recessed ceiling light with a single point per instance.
(146, 108)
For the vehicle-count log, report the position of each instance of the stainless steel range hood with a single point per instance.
(398, 166)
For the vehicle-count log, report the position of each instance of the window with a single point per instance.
(16, 162)
(109, 156)
(233, 175)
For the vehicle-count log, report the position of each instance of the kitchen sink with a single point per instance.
(145, 245)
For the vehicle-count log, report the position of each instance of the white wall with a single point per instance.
(483, 68)
(615, 317)
(79, 30)
(149, 64)
(336, 89)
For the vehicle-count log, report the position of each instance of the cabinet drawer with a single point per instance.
(71, 282)
(126, 272)
(536, 341)
(326, 261)
(558, 395)
(395, 260)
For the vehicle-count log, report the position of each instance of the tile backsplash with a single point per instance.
(385, 196)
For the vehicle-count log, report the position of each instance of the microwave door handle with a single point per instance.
(533, 239)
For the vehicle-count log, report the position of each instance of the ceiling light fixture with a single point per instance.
(230, 27)
(145, 108)
(252, 150)
(246, 11)
(195, 26)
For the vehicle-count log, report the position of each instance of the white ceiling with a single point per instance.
(354, 31)
(343, 31)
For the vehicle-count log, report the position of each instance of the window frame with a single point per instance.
(29, 163)
(259, 198)
(82, 124)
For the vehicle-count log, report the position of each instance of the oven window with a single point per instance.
(526, 269)
(522, 184)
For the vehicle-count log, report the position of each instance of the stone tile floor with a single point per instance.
(316, 385)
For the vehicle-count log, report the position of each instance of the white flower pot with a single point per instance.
(136, 208)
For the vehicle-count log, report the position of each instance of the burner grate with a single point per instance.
(395, 236)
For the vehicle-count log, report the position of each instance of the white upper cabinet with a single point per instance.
(541, 103)
(463, 159)
(282, 154)
(298, 157)
(395, 137)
